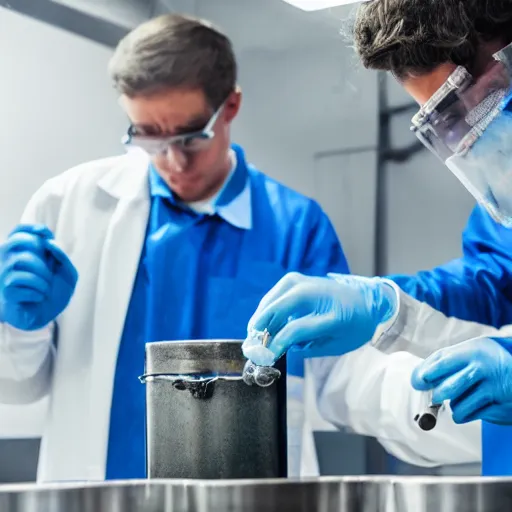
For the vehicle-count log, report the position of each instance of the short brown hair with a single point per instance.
(415, 36)
(174, 51)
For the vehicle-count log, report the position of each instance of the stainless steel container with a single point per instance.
(369, 494)
(203, 421)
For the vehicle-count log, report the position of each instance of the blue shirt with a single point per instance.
(202, 276)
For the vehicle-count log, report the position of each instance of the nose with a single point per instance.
(177, 158)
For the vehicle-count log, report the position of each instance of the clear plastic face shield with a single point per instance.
(468, 125)
(186, 143)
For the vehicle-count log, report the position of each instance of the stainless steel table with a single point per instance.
(366, 494)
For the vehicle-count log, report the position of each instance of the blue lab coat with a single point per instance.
(476, 287)
(202, 277)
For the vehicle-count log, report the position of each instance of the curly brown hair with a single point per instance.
(413, 37)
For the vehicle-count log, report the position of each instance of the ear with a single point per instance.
(423, 86)
(232, 105)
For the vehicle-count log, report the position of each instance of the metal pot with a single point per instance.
(203, 421)
(368, 494)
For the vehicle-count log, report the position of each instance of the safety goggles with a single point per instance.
(468, 124)
(187, 142)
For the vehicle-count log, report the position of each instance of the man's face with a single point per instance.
(423, 87)
(466, 120)
(193, 175)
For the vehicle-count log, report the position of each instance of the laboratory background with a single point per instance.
(311, 118)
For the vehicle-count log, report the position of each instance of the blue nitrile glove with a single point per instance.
(322, 316)
(476, 376)
(37, 280)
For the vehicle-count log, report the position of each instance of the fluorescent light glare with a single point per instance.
(317, 5)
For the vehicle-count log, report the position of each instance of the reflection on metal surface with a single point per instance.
(369, 494)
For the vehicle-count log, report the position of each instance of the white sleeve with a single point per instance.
(26, 364)
(370, 392)
(421, 330)
(26, 358)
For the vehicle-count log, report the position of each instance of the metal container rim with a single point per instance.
(404, 481)
(196, 342)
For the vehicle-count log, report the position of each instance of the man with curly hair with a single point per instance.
(455, 59)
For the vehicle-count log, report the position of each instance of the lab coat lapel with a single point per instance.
(119, 261)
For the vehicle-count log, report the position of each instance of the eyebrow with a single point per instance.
(195, 124)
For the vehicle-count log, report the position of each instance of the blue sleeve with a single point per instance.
(320, 253)
(475, 287)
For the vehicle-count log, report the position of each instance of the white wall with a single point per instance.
(299, 104)
(57, 110)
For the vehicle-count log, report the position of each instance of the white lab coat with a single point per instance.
(369, 390)
(98, 212)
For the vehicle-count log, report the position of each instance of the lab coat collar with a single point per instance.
(234, 202)
(129, 179)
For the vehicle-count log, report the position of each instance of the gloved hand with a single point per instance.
(37, 279)
(323, 316)
(476, 376)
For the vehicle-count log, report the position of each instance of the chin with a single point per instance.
(188, 196)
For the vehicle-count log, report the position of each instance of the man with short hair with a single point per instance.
(178, 239)
(455, 59)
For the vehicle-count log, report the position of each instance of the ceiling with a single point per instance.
(128, 13)
(252, 24)
(270, 24)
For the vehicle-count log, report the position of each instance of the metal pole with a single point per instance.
(383, 142)
(386, 153)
